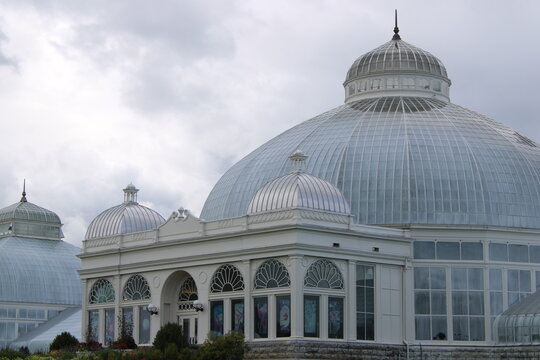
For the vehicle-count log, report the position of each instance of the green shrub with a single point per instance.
(228, 347)
(171, 352)
(11, 354)
(188, 354)
(64, 341)
(170, 334)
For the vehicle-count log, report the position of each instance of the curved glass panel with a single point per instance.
(136, 288)
(323, 274)
(272, 274)
(401, 160)
(102, 292)
(227, 278)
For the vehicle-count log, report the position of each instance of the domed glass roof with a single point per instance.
(125, 218)
(402, 160)
(298, 190)
(39, 271)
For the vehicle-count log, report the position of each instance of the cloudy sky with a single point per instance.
(169, 94)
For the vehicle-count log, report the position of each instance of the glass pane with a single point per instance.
(496, 302)
(422, 328)
(144, 325)
(476, 303)
(438, 327)
(460, 303)
(127, 314)
(335, 318)
(498, 252)
(237, 313)
(311, 316)
(476, 279)
(421, 302)
(518, 253)
(216, 317)
(525, 280)
(438, 278)
(283, 316)
(477, 329)
(438, 302)
(459, 278)
(513, 280)
(495, 279)
(461, 328)
(472, 251)
(421, 278)
(260, 317)
(447, 250)
(424, 250)
(534, 252)
(93, 325)
(109, 326)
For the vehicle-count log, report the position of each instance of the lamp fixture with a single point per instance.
(198, 305)
(152, 309)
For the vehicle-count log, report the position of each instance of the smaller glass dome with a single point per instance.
(27, 219)
(298, 190)
(125, 218)
(520, 323)
(397, 68)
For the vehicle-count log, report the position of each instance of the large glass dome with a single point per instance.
(401, 157)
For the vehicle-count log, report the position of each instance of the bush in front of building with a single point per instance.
(64, 341)
(227, 347)
(170, 333)
(11, 354)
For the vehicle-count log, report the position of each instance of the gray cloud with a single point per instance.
(4, 59)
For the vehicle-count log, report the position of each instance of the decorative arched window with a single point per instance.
(102, 292)
(272, 274)
(188, 294)
(227, 278)
(323, 274)
(136, 288)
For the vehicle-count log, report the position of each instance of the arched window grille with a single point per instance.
(102, 292)
(136, 288)
(323, 274)
(227, 278)
(188, 294)
(272, 274)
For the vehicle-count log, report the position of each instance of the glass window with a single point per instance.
(518, 253)
(534, 252)
(102, 292)
(448, 250)
(365, 299)
(109, 326)
(283, 316)
(424, 250)
(311, 316)
(260, 317)
(335, 318)
(227, 278)
(188, 294)
(93, 325)
(237, 313)
(468, 303)
(272, 274)
(127, 316)
(498, 252)
(216, 317)
(136, 288)
(430, 301)
(472, 251)
(323, 274)
(144, 325)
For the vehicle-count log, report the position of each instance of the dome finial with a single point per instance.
(23, 198)
(298, 160)
(130, 194)
(396, 29)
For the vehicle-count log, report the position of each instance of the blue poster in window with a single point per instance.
(238, 315)
(216, 317)
(260, 317)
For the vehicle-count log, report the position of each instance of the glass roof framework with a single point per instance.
(402, 160)
(39, 271)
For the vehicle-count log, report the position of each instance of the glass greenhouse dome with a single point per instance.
(520, 324)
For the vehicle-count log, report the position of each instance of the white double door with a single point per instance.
(190, 326)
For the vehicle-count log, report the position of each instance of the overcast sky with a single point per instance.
(169, 94)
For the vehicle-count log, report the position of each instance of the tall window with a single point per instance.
(136, 288)
(468, 303)
(225, 282)
(365, 311)
(519, 285)
(102, 292)
(272, 274)
(430, 303)
(323, 275)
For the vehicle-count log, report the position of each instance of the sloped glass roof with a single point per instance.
(401, 160)
(39, 271)
(26, 211)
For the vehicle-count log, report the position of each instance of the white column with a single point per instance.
(350, 302)
(118, 285)
(84, 311)
(296, 273)
(248, 309)
(408, 301)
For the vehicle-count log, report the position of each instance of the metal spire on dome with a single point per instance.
(396, 29)
(130, 194)
(298, 160)
(23, 198)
